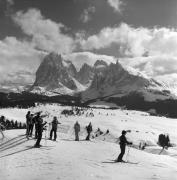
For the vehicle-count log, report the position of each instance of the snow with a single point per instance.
(79, 86)
(69, 160)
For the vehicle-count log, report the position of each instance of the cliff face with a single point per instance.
(52, 74)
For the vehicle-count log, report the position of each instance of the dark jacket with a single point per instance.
(40, 125)
(123, 140)
(89, 128)
(55, 124)
(77, 127)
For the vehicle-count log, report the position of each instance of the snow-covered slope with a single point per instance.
(68, 160)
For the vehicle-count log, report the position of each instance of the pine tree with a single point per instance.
(163, 141)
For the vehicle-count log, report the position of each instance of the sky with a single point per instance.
(140, 33)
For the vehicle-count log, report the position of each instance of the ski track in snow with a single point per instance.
(70, 160)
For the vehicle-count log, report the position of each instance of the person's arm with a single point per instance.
(1, 125)
(44, 123)
(127, 142)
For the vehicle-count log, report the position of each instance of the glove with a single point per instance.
(130, 143)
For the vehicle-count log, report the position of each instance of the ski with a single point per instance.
(128, 162)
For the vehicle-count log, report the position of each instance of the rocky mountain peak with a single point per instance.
(85, 74)
(52, 74)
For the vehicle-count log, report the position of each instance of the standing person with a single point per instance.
(2, 127)
(31, 125)
(77, 130)
(40, 127)
(36, 120)
(54, 128)
(27, 122)
(123, 142)
(89, 130)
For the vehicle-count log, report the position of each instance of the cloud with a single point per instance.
(129, 39)
(45, 33)
(11, 2)
(116, 5)
(86, 15)
(79, 58)
(18, 56)
(134, 41)
(152, 51)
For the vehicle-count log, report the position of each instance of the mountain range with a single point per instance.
(56, 76)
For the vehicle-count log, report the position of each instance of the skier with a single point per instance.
(123, 142)
(27, 123)
(2, 127)
(36, 119)
(39, 128)
(77, 130)
(31, 125)
(54, 128)
(89, 130)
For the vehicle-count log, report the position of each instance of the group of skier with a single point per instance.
(36, 119)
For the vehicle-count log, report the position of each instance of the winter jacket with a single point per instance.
(89, 128)
(55, 124)
(77, 127)
(40, 125)
(123, 140)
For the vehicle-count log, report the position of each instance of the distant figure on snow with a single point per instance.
(89, 130)
(54, 128)
(28, 115)
(2, 126)
(31, 125)
(123, 142)
(77, 130)
(36, 119)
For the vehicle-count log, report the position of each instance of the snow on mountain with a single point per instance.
(56, 75)
(114, 80)
(68, 160)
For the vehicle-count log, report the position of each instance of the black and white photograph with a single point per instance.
(88, 89)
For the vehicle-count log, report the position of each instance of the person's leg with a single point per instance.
(2, 133)
(51, 133)
(77, 136)
(29, 130)
(122, 148)
(55, 135)
(31, 133)
(38, 140)
(89, 136)
(36, 132)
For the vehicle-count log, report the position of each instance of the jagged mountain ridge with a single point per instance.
(116, 81)
(56, 75)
